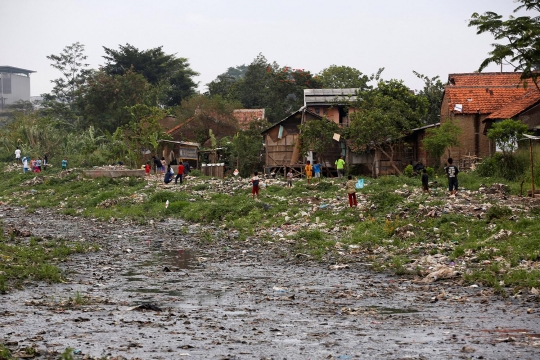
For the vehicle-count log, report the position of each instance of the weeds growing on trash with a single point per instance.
(5, 354)
(33, 259)
(486, 235)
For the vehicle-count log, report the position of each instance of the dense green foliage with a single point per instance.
(172, 75)
(279, 90)
(519, 38)
(438, 139)
(433, 92)
(506, 134)
(343, 77)
(317, 136)
(383, 115)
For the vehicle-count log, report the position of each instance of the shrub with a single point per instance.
(326, 186)
(510, 167)
(430, 171)
(408, 171)
(498, 212)
(386, 199)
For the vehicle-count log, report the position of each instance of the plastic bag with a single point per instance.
(360, 184)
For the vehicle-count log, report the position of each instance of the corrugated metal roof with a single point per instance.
(15, 70)
(188, 143)
(326, 92)
(329, 96)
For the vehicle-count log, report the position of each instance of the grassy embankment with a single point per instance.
(371, 233)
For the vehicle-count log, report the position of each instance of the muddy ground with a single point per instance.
(161, 291)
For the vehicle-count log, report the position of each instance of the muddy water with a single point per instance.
(232, 300)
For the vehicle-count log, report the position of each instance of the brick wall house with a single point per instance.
(471, 98)
(526, 109)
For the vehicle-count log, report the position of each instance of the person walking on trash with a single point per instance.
(350, 185)
(340, 166)
(452, 172)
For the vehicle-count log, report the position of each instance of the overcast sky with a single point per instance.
(429, 36)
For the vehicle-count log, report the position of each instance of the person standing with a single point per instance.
(255, 184)
(452, 172)
(425, 182)
(64, 163)
(17, 155)
(25, 164)
(187, 169)
(45, 161)
(289, 178)
(351, 191)
(163, 165)
(317, 170)
(157, 165)
(147, 168)
(309, 171)
(340, 166)
(180, 173)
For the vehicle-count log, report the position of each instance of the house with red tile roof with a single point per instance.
(471, 98)
(526, 109)
(246, 116)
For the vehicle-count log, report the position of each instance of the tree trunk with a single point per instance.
(390, 156)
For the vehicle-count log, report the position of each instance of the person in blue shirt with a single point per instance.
(64, 164)
(317, 170)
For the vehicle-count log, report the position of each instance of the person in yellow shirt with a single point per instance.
(309, 171)
(340, 166)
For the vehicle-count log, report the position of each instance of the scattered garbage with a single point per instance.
(147, 307)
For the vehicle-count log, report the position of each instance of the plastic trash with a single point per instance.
(279, 289)
(166, 204)
(360, 184)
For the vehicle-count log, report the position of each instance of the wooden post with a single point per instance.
(532, 166)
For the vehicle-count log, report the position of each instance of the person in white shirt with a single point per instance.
(18, 154)
(25, 164)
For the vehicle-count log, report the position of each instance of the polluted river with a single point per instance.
(163, 291)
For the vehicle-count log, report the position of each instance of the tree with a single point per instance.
(521, 36)
(20, 106)
(383, 115)
(107, 98)
(279, 90)
(199, 114)
(246, 148)
(62, 100)
(139, 134)
(433, 92)
(343, 77)
(317, 136)
(171, 74)
(506, 134)
(223, 85)
(437, 140)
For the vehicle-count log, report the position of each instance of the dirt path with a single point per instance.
(161, 292)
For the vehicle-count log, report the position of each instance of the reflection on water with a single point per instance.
(182, 259)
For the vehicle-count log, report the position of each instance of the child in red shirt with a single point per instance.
(147, 168)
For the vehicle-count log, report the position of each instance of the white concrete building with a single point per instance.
(14, 85)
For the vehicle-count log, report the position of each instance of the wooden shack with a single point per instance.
(281, 142)
(174, 151)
